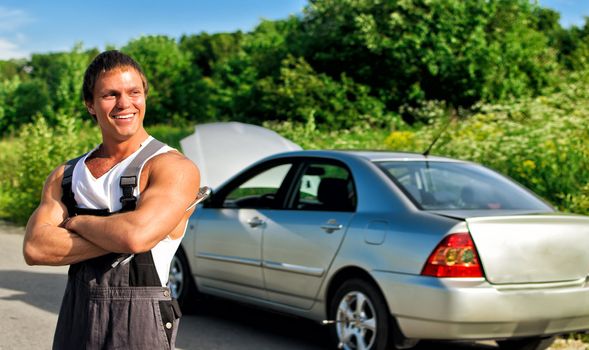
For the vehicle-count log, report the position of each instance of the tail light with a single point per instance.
(455, 256)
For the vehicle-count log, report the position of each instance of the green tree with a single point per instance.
(12, 68)
(271, 42)
(31, 98)
(302, 95)
(8, 89)
(63, 73)
(207, 50)
(411, 50)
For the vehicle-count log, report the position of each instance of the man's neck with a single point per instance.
(121, 149)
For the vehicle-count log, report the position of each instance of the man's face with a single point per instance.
(119, 103)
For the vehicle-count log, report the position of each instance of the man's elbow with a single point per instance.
(32, 255)
(136, 243)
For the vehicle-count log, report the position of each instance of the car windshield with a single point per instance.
(442, 185)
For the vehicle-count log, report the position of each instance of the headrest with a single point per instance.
(334, 194)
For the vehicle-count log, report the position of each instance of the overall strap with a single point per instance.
(130, 176)
(67, 196)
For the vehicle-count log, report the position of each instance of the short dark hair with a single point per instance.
(104, 62)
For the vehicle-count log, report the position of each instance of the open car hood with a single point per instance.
(221, 150)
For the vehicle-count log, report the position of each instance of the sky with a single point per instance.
(42, 26)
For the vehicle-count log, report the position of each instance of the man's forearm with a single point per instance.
(56, 246)
(111, 232)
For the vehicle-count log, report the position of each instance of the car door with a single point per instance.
(300, 242)
(229, 231)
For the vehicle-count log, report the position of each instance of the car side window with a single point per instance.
(258, 191)
(325, 187)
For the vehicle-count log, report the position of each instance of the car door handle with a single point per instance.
(331, 227)
(255, 222)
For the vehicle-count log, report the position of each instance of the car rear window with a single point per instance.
(436, 185)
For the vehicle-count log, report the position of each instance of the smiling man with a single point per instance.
(116, 215)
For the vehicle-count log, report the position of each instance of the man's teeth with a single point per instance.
(127, 116)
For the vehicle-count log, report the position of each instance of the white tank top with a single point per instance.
(105, 192)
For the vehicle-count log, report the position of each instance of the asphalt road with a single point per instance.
(30, 299)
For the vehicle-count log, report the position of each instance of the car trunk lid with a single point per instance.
(532, 248)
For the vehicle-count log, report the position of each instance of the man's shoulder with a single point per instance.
(171, 160)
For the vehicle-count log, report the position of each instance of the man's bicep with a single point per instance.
(172, 188)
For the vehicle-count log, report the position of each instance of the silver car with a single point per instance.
(390, 248)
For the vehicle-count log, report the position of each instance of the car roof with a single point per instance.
(370, 155)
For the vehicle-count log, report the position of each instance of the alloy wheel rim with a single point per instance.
(176, 279)
(356, 322)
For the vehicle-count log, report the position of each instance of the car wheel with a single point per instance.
(181, 283)
(532, 343)
(361, 318)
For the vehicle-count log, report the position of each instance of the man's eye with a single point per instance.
(108, 96)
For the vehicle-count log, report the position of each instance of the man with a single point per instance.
(116, 215)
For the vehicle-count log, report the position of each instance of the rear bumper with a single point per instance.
(467, 309)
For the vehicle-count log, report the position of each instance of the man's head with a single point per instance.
(114, 93)
(104, 62)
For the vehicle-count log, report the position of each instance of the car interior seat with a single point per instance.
(334, 195)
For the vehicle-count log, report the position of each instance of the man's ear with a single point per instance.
(90, 107)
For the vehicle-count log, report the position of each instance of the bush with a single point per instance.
(309, 137)
(170, 135)
(301, 95)
(30, 158)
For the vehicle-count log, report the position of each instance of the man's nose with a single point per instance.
(123, 101)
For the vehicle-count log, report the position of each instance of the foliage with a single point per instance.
(12, 68)
(30, 99)
(309, 137)
(8, 90)
(271, 42)
(302, 95)
(170, 135)
(63, 74)
(231, 89)
(207, 50)
(408, 51)
(28, 160)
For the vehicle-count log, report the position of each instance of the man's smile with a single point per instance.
(124, 116)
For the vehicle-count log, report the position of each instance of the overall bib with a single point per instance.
(115, 301)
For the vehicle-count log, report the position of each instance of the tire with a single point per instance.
(181, 283)
(361, 316)
(532, 343)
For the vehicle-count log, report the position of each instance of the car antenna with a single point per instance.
(442, 130)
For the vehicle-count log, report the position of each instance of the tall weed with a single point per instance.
(38, 149)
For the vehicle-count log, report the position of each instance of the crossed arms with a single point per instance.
(171, 183)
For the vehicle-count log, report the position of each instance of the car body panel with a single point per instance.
(544, 248)
(228, 251)
(297, 254)
(474, 309)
